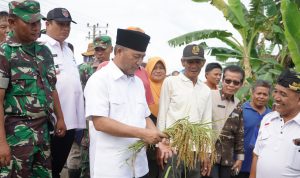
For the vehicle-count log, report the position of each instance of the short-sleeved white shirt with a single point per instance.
(278, 156)
(180, 98)
(112, 94)
(68, 83)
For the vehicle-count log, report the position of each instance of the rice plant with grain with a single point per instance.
(193, 142)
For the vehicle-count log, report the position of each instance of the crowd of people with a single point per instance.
(55, 113)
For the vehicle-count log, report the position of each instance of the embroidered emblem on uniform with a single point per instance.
(65, 12)
(195, 50)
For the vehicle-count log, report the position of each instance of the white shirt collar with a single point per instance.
(117, 72)
(52, 41)
(185, 79)
(295, 119)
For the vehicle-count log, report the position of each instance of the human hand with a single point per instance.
(152, 136)
(237, 167)
(60, 129)
(205, 166)
(164, 152)
(5, 156)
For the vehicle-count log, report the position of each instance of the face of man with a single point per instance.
(260, 96)
(102, 54)
(231, 82)
(58, 30)
(214, 76)
(287, 102)
(25, 32)
(4, 28)
(130, 60)
(158, 73)
(192, 68)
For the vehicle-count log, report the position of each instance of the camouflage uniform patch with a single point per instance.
(29, 141)
(29, 74)
(85, 71)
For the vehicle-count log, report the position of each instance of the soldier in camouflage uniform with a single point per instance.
(103, 48)
(28, 96)
(86, 69)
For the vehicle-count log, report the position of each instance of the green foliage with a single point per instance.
(261, 28)
(198, 35)
(291, 21)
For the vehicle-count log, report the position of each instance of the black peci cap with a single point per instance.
(133, 39)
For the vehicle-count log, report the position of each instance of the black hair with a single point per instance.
(236, 69)
(3, 14)
(211, 66)
(262, 83)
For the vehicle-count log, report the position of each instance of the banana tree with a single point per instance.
(249, 24)
(291, 21)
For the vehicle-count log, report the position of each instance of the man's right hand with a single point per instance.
(164, 152)
(4, 154)
(153, 136)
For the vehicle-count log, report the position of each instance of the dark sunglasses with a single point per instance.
(229, 81)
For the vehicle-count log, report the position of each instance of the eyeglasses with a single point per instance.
(229, 81)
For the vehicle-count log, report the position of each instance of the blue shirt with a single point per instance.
(251, 126)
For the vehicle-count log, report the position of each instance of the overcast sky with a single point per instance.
(161, 19)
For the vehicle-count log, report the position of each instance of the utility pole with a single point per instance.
(94, 29)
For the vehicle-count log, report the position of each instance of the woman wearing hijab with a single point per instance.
(156, 70)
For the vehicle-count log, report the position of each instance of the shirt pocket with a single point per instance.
(117, 108)
(141, 108)
(25, 82)
(294, 158)
(263, 138)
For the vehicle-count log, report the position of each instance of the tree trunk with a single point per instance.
(247, 67)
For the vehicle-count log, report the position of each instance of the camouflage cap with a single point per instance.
(102, 41)
(27, 10)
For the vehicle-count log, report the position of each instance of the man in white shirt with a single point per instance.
(181, 96)
(116, 103)
(68, 84)
(277, 149)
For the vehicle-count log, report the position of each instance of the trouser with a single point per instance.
(29, 142)
(219, 171)
(242, 175)
(152, 164)
(60, 148)
(85, 161)
(171, 170)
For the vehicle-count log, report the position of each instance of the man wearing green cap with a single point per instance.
(277, 148)
(103, 48)
(28, 96)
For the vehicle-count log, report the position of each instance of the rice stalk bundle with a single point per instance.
(193, 142)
